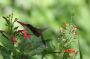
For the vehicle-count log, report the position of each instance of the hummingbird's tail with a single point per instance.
(43, 41)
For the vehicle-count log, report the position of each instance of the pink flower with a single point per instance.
(25, 34)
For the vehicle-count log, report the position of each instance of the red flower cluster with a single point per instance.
(70, 51)
(25, 34)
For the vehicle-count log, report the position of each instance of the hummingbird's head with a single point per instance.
(23, 24)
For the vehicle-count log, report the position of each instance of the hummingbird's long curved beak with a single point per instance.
(23, 24)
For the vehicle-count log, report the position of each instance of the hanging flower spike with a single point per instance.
(25, 34)
(14, 40)
(70, 51)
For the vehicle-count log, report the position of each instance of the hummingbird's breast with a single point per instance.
(35, 31)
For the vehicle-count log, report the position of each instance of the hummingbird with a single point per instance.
(36, 31)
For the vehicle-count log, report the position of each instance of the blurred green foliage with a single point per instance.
(52, 14)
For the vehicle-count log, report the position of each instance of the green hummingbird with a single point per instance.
(36, 31)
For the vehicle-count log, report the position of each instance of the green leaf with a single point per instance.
(5, 53)
(15, 28)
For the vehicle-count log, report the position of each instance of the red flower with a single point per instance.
(70, 51)
(14, 40)
(25, 34)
